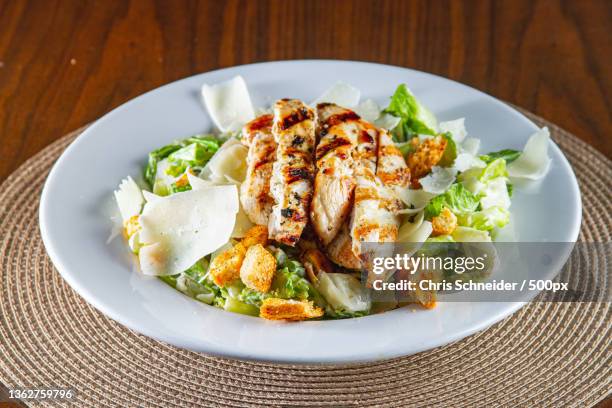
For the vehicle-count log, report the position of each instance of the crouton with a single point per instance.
(257, 234)
(428, 153)
(258, 268)
(286, 309)
(445, 223)
(225, 268)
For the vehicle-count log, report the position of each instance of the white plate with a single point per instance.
(75, 226)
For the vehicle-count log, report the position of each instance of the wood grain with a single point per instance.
(65, 63)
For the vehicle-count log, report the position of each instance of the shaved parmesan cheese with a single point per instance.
(197, 183)
(456, 128)
(229, 162)
(465, 161)
(471, 145)
(368, 110)
(415, 200)
(148, 196)
(243, 223)
(228, 104)
(343, 292)
(129, 198)
(341, 94)
(407, 230)
(180, 229)
(534, 162)
(439, 180)
(387, 121)
(411, 238)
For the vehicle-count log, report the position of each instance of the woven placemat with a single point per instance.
(546, 354)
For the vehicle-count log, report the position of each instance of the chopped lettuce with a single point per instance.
(415, 118)
(496, 168)
(476, 178)
(154, 158)
(288, 283)
(457, 198)
(468, 234)
(194, 283)
(487, 219)
(405, 147)
(171, 161)
(495, 194)
(450, 152)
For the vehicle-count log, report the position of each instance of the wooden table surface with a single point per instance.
(65, 63)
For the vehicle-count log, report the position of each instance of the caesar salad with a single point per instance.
(268, 216)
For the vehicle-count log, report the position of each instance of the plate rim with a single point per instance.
(90, 297)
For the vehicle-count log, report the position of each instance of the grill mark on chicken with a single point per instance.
(297, 174)
(336, 142)
(255, 190)
(259, 123)
(296, 117)
(336, 119)
(334, 182)
(391, 167)
(292, 174)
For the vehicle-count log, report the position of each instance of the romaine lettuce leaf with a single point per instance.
(468, 234)
(173, 159)
(457, 198)
(495, 194)
(415, 118)
(288, 283)
(508, 155)
(476, 178)
(487, 219)
(450, 152)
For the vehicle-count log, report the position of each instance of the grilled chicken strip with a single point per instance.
(373, 218)
(255, 190)
(338, 131)
(292, 173)
(340, 250)
(391, 167)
